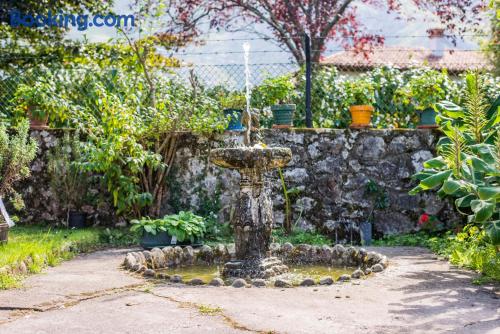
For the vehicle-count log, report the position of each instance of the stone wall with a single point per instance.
(329, 171)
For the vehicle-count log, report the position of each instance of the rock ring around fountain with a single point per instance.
(253, 259)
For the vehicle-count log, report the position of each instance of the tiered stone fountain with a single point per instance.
(253, 219)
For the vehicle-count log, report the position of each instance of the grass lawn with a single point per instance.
(39, 247)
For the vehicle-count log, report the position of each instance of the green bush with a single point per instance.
(183, 226)
(467, 167)
(16, 153)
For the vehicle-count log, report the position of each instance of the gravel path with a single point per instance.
(91, 294)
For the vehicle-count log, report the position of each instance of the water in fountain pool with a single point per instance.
(296, 274)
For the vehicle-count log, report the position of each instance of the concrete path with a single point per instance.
(91, 294)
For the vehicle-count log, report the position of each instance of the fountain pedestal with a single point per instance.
(253, 219)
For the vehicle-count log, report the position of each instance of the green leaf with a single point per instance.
(435, 180)
(451, 186)
(493, 232)
(435, 163)
(483, 210)
(486, 193)
(464, 202)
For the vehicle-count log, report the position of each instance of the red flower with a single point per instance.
(424, 218)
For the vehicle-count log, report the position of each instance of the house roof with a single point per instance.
(455, 61)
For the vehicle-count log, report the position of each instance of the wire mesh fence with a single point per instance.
(387, 71)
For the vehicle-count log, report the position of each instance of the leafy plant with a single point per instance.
(378, 195)
(288, 195)
(274, 91)
(17, 151)
(300, 237)
(40, 99)
(467, 167)
(360, 92)
(425, 88)
(67, 182)
(232, 100)
(184, 225)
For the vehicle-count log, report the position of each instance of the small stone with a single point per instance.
(130, 261)
(358, 273)
(149, 273)
(338, 296)
(281, 283)
(307, 282)
(259, 282)
(368, 271)
(163, 276)
(326, 281)
(196, 281)
(287, 247)
(344, 278)
(176, 279)
(216, 282)
(377, 268)
(239, 283)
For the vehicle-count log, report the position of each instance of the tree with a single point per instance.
(323, 20)
(21, 43)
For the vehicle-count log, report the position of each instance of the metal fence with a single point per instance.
(317, 97)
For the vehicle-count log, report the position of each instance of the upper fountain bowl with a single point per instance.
(251, 157)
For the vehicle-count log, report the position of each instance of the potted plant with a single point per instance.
(424, 90)
(360, 98)
(380, 200)
(183, 228)
(278, 93)
(67, 181)
(17, 151)
(38, 102)
(233, 104)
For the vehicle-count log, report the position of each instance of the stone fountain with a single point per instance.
(253, 219)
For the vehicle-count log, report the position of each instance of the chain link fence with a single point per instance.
(329, 95)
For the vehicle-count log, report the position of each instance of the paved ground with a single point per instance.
(90, 294)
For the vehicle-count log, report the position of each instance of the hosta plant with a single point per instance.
(468, 164)
(183, 226)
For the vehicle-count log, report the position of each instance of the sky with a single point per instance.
(398, 33)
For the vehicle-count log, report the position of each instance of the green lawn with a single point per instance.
(39, 247)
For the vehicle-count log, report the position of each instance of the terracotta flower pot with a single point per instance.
(38, 123)
(361, 116)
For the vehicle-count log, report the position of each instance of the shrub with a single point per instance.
(183, 226)
(16, 153)
(468, 165)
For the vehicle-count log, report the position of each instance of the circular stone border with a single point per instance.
(147, 262)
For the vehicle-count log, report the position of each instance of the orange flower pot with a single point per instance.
(361, 116)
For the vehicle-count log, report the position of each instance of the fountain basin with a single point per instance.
(251, 157)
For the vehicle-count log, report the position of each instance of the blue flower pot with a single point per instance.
(283, 115)
(234, 119)
(365, 229)
(427, 119)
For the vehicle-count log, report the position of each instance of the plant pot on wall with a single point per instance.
(361, 116)
(4, 233)
(234, 116)
(38, 122)
(427, 119)
(77, 219)
(283, 115)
